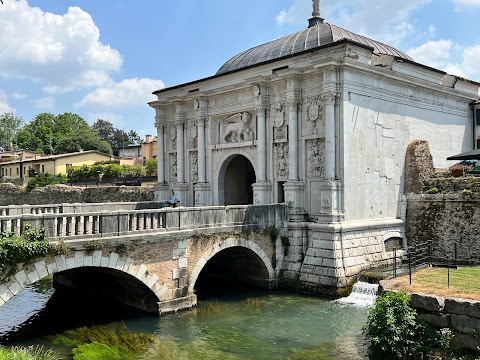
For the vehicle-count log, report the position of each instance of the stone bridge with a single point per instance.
(149, 258)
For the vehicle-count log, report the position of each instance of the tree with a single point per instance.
(37, 135)
(85, 139)
(46, 130)
(9, 125)
(116, 137)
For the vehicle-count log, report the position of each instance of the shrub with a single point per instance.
(272, 231)
(97, 351)
(433, 190)
(151, 166)
(467, 192)
(113, 170)
(45, 179)
(392, 327)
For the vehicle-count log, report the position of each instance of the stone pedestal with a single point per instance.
(294, 197)
(181, 190)
(202, 194)
(262, 193)
(330, 202)
(162, 192)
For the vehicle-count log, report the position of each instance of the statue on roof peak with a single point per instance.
(316, 8)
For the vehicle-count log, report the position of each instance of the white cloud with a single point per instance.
(45, 103)
(4, 107)
(19, 96)
(392, 18)
(62, 52)
(467, 2)
(433, 53)
(441, 55)
(116, 119)
(125, 94)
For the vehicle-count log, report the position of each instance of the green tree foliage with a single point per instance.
(151, 166)
(82, 140)
(115, 137)
(46, 131)
(37, 135)
(392, 328)
(9, 126)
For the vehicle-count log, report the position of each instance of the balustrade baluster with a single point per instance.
(155, 220)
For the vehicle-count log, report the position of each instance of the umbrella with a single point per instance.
(469, 155)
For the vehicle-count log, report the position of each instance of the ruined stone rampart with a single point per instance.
(61, 194)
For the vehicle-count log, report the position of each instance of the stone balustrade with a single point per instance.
(107, 223)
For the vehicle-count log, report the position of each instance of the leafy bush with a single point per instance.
(433, 190)
(16, 249)
(151, 166)
(45, 179)
(272, 231)
(113, 170)
(392, 327)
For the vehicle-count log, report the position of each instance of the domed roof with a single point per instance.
(317, 35)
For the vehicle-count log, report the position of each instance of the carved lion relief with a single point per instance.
(238, 128)
(173, 167)
(316, 158)
(281, 160)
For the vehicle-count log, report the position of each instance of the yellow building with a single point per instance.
(149, 148)
(52, 164)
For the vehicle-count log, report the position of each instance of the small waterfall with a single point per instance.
(363, 294)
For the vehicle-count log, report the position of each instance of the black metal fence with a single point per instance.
(454, 269)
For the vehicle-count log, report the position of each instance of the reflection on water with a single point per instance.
(238, 323)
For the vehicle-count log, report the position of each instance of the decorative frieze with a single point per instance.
(194, 166)
(173, 167)
(316, 158)
(279, 116)
(313, 113)
(281, 160)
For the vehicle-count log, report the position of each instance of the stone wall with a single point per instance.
(441, 208)
(60, 194)
(459, 315)
(444, 220)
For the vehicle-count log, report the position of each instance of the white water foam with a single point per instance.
(363, 295)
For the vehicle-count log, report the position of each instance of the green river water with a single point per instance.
(232, 323)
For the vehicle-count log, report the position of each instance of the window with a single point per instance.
(68, 166)
(18, 171)
(43, 168)
(477, 116)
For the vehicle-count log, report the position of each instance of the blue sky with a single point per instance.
(103, 58)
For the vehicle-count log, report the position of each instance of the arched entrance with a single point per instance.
(235, 181)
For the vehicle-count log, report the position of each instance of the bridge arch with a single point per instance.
(103, 261)
(231, 243)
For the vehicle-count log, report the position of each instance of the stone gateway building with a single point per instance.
(320, 119)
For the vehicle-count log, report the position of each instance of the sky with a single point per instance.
(102, 59)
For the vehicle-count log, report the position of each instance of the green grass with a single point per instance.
(27, 353)
(464, 282)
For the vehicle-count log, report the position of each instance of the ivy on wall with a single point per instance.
(15, 250)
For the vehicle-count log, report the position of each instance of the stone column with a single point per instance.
(201, 151)
(294, 188)
(202, 188)
(161, 154)
(261, 144)
(262, 188)
(330, 136)
(330, 188)
(180, 152)
(293, 141)
(162, 191)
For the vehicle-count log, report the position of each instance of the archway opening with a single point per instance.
(238, 179)
(232, 268)
(84, 296)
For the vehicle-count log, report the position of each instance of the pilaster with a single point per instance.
(202, 194)
(330, 196)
